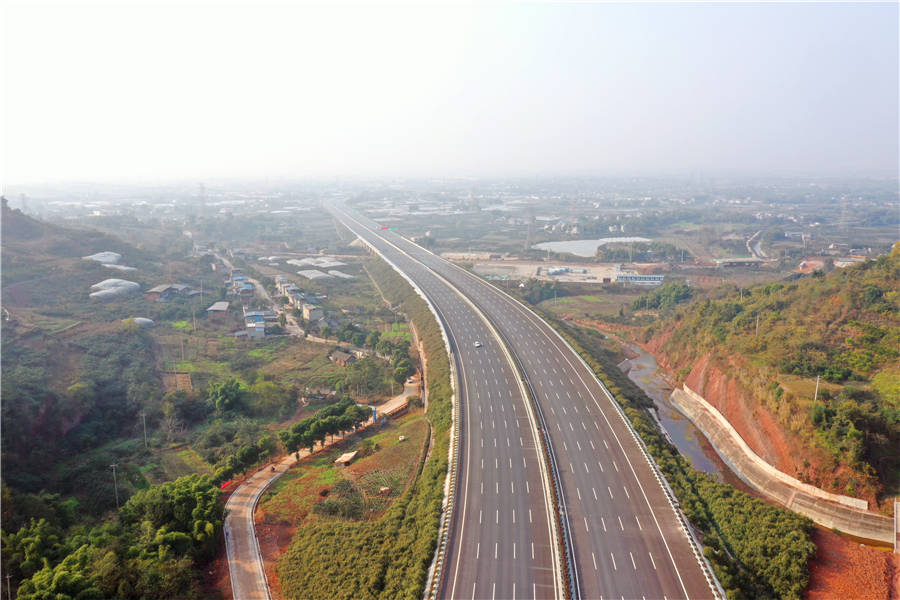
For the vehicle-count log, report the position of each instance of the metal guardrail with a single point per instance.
(703, 563)
(436, 570)
(546, 444)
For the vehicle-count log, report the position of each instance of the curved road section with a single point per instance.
(625, 536)
(500, 541)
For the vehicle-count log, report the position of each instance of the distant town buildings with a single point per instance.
(639, 278)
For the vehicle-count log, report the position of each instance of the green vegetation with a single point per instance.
(757, 550)
(149, 551)
(665, 296)
(387, 557)
(642, 252)
(843, 326)
(329, 421)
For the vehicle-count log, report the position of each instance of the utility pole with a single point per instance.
(144, 420)
(757, 326)
(8, 587)
(182, 349)
(742, 294)
(115, 483)
(816, 395)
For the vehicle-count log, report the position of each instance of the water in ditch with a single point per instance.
(689, 440)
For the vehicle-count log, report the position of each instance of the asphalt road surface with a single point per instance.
(499, 543)
(626, 539)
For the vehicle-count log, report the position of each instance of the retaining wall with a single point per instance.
(846, 514)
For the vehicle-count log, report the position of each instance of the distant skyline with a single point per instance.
(151, 92)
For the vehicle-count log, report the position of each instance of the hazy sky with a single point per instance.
(122, 90)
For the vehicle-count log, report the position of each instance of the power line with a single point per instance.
(115, 483)
(144, 420)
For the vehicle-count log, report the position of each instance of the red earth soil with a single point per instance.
(843, 569)
(274, 539)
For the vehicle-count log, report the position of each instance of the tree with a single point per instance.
(384, 346)
(69, 579)
(226, 396)
(326, 332)
(282, 319)
(372, 339)
(403, 370)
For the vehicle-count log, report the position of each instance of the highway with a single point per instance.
(626, 539)
(499, 543)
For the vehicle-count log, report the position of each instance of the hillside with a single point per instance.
(844, 327)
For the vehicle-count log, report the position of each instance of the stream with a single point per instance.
(689, 440)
